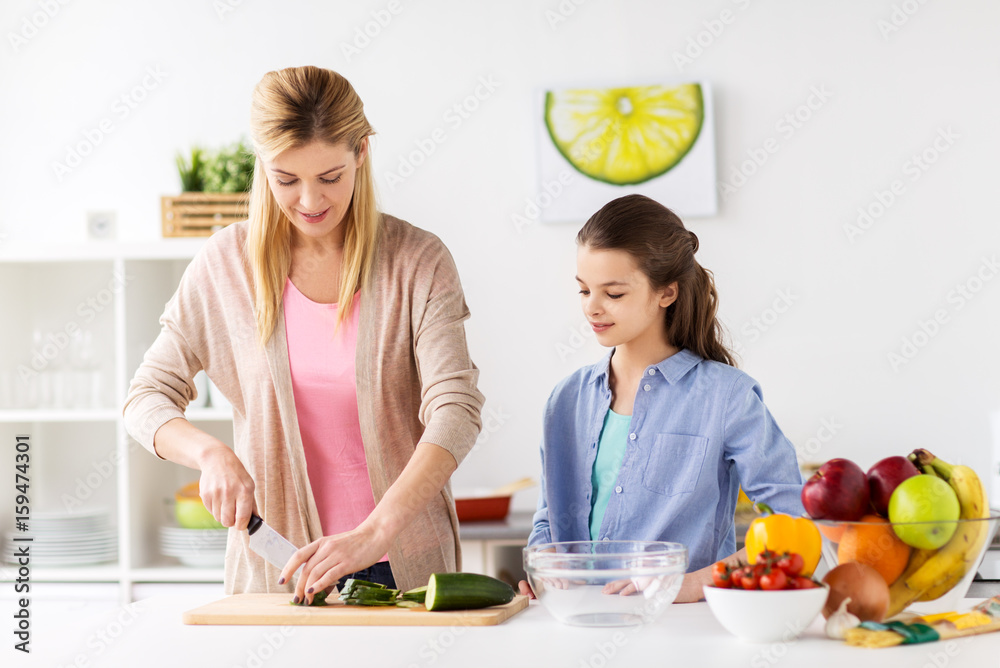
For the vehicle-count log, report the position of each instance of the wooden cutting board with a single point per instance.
(275, 609)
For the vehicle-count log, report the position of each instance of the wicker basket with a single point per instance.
(201, 214)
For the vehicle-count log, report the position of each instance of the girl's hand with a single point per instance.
(524, 589)
(621, 587)
(332, 557)
(225, 487)
(691, 588)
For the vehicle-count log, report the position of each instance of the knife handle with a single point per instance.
(254, 524)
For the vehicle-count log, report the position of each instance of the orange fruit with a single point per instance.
(873, 542)
(833, 532)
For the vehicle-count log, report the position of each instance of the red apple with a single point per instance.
(837, 491)
(884, 477)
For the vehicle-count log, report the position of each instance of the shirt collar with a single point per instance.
(672, 369)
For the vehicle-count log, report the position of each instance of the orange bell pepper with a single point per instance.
(783, 533)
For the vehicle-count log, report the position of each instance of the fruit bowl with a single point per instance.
(923, 581)
(606, 583)
(766, 616)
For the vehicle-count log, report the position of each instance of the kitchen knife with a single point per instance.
(270, 544)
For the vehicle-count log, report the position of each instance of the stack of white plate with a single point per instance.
(201, 548)
(65, 539)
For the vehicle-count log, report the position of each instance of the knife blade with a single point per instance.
(270, 544)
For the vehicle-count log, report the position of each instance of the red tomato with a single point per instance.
(773, 579)
(721, 575)
(801, 582)
(722, 581)
(750, 581)
(791, 563)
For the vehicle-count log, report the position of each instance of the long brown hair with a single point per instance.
(291, 108)
(664, 250)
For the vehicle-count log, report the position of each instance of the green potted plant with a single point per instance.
(214, 191)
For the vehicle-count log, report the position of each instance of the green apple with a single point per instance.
(192, 514)
(929, 499)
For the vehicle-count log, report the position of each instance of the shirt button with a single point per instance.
(605, 539)
(618, 489)
(648, 387)
(651, 372)
(631, 436)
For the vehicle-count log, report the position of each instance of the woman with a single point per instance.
(348, 421)
(653, 441)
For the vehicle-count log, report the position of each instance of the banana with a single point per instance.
(948, 565)
(899, 593)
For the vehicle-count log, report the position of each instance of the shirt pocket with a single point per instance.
(674, 464)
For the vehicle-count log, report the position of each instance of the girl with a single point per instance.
(653, 441)
(336, 332)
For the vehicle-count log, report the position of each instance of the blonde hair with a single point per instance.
(291, 108)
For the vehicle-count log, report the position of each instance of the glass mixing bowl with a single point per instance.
(606, 583)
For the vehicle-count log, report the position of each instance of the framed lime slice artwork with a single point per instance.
(596, 144)
(625, 136)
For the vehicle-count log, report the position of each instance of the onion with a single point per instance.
(864, 585)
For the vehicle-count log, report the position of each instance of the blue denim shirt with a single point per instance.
(699, 428)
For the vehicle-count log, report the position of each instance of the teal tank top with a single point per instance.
(610, 452)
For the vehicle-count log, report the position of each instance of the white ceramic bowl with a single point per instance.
(605, 583)
(766, 616)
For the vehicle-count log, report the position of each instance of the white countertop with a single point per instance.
(150, 633)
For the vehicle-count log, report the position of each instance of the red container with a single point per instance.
(483, 508)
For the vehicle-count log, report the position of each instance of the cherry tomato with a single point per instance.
(766, 556)
(801, 582)
(721, 575)
(723, 581)
(791, 563)
(750, 581)
(773, 579)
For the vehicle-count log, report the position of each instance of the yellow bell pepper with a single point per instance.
(783, 533)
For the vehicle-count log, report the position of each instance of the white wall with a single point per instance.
(823, 361)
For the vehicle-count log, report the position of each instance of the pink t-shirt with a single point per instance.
(326, 403)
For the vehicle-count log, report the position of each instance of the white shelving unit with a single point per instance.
(81, 455)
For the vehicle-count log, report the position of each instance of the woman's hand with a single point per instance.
(226, 488)
(524, 589)
(332, 557)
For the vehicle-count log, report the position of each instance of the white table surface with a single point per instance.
(150, 633)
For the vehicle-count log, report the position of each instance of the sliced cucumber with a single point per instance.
(465, 591)
(418, 595)
(351, 585)
(318, 599)
(403, 603)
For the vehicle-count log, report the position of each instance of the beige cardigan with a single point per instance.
(415, 381)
